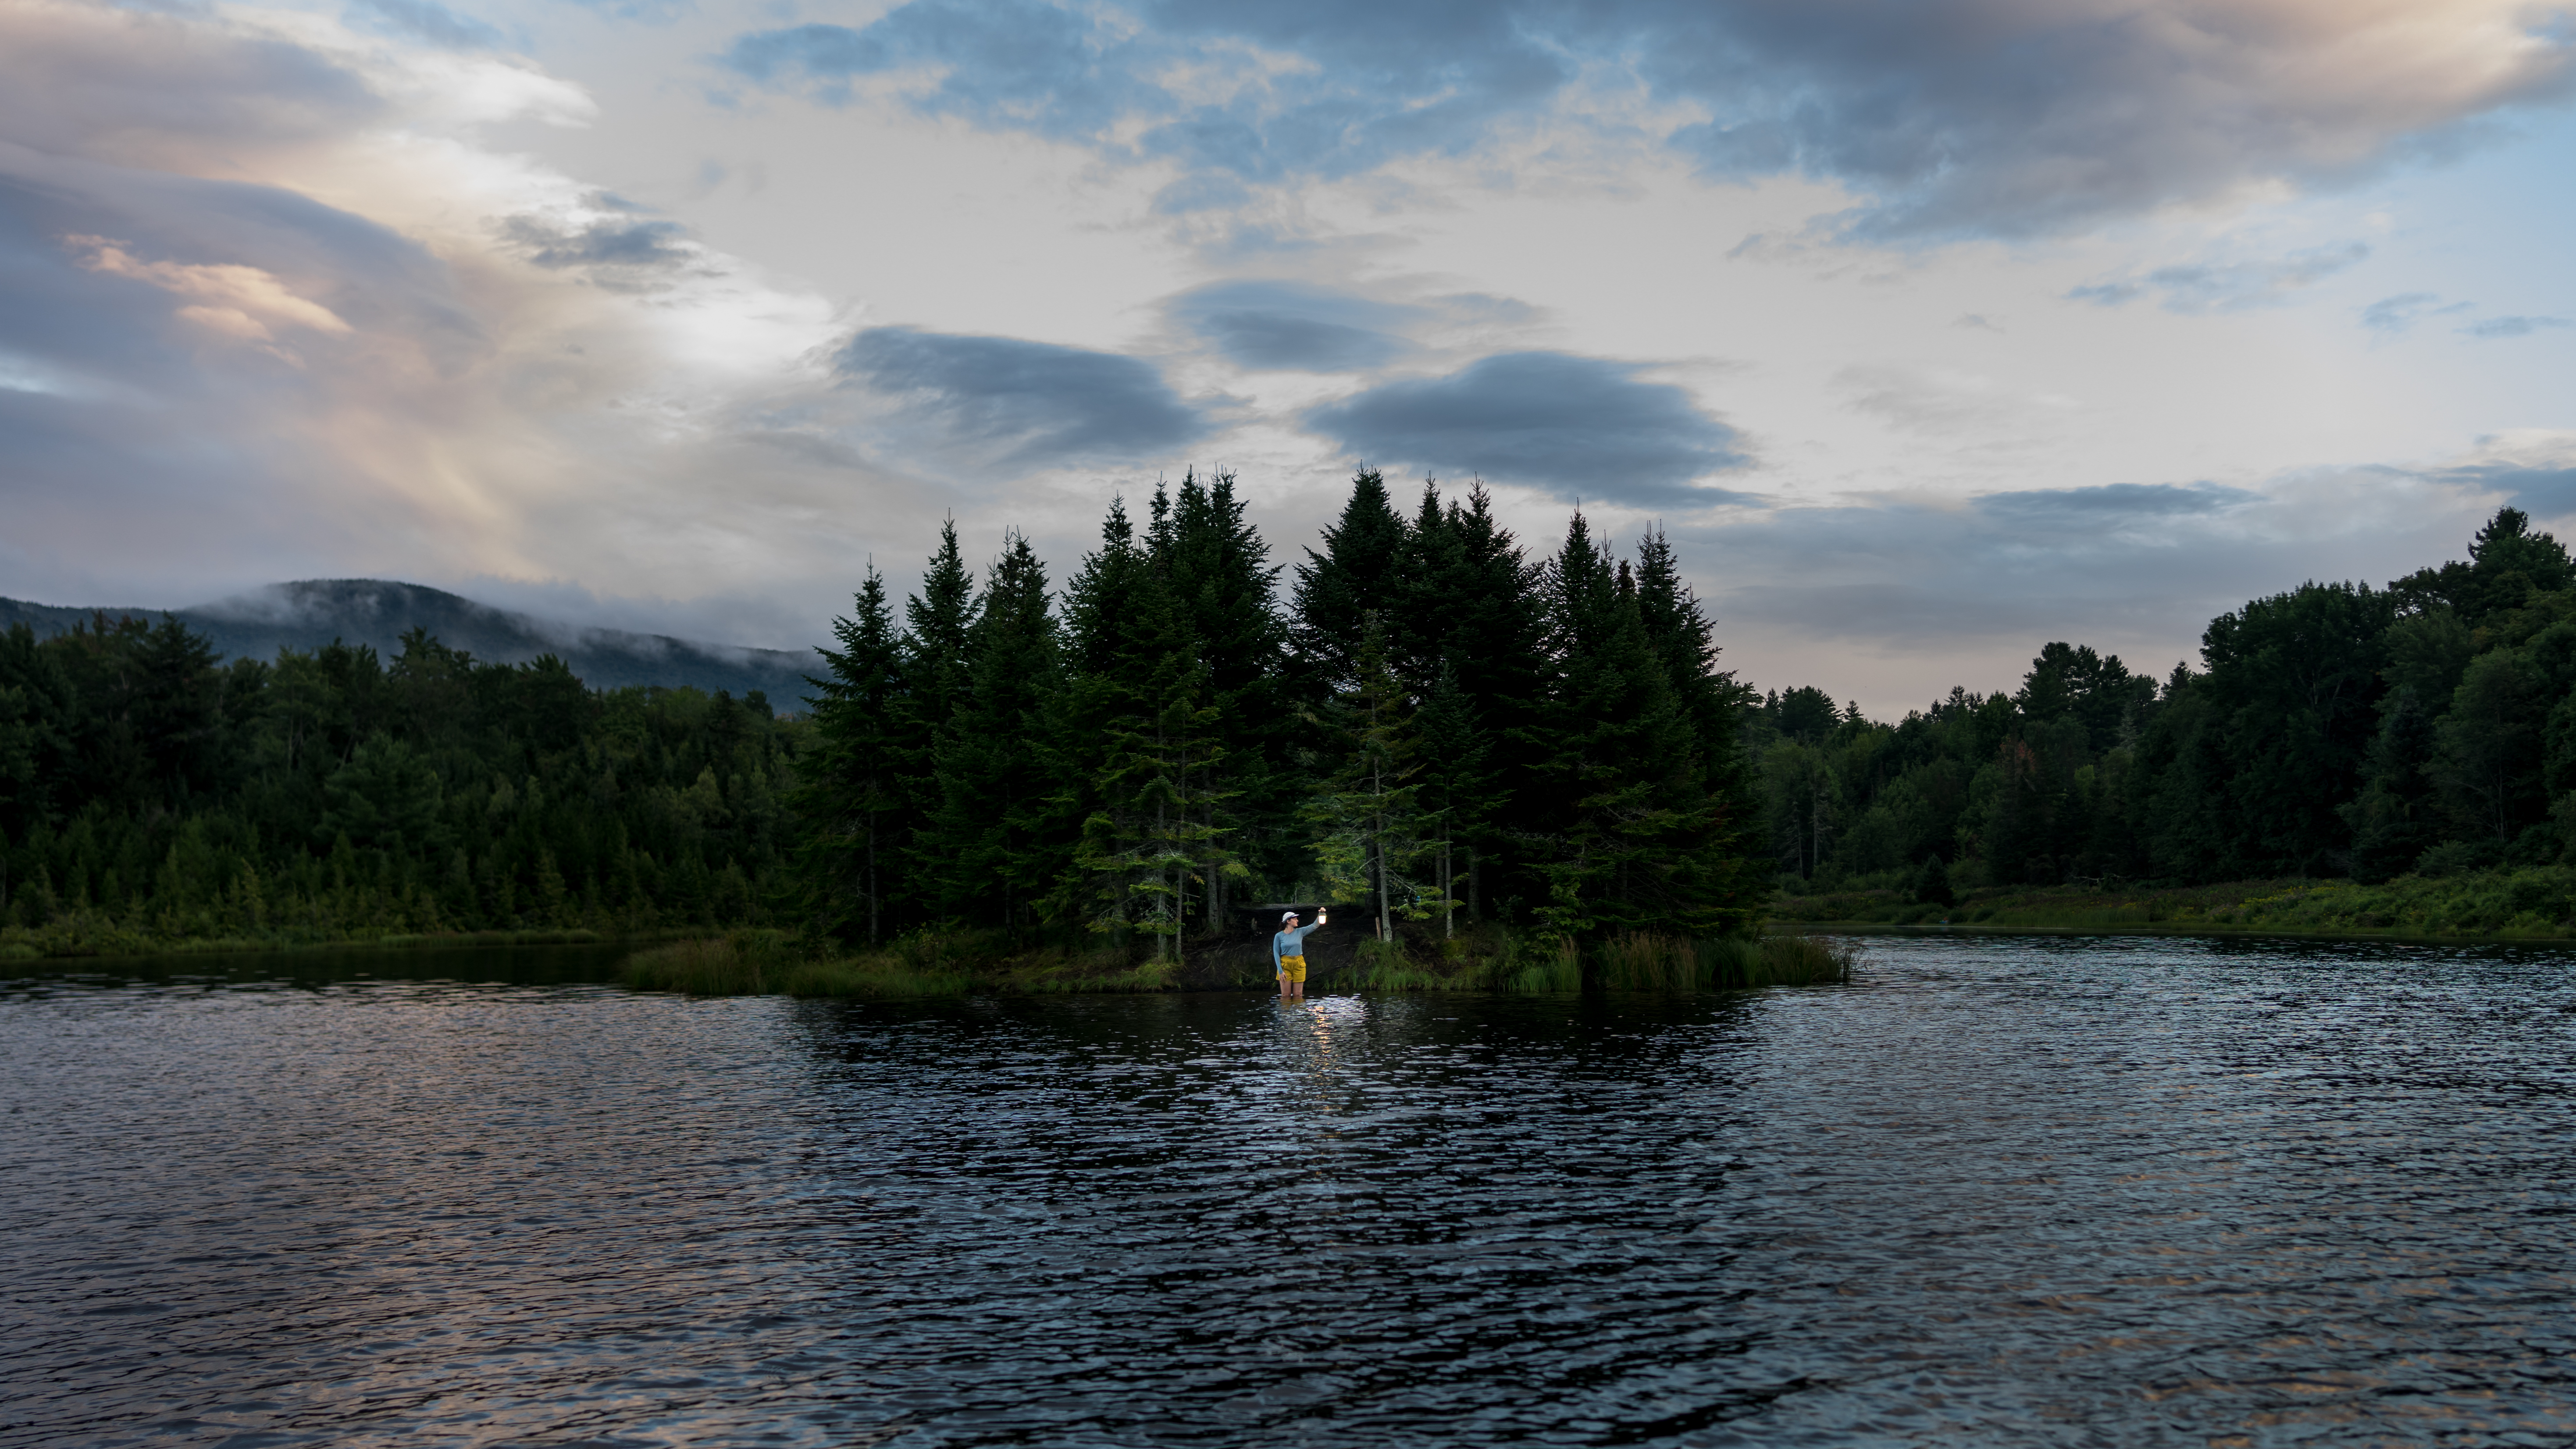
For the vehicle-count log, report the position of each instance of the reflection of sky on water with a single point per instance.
(2104, 1192)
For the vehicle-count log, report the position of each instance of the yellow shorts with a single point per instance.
(1293, 968)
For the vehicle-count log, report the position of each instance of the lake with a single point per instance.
(2077, 1192)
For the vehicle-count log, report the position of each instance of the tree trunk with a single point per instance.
(1215, 910)
(1384, 932)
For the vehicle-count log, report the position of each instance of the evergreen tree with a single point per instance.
(1684, 640)
(2069, 680)
(1634, 831)
(1118, 615)
(1216, 568)
(1457, 787)
(850, 794)
(1371, 825)
(934, 668)
(1417, 620)
(1154, 833)
(1488, 600)
(1120, 629)
(37, 717)
(1360, 572)
(938, 662)
(2507, 561)
(988, 852)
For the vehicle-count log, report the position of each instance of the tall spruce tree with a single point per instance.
(1360, 571)
(1119, 628)
(1418, 623)
(848, 793)
(1488, 599)
(937, 670)
(989, 851)
(1224, 587)
(938, 658)
(1634, 837)
(1685, 641)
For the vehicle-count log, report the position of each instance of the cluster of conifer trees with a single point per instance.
(2336, 729)
(150, 794)
(1435, 727)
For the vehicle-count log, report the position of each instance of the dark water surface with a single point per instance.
(2045, 1192)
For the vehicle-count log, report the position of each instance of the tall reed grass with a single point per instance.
(1735, 962)
(1643, 961)
(1384, 966)
(1536, 965)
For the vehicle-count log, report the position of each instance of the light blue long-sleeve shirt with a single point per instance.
(1290, 943)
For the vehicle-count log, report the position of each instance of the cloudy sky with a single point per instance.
(1930, 331)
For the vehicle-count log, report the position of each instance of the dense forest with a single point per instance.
(150, 794)
(2334, 730)
(1420, 721)
(1431, 726)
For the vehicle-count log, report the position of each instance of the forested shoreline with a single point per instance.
(2336, 731)
(1457, 740)
(155, 798)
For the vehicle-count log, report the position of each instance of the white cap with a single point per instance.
(1283, 920)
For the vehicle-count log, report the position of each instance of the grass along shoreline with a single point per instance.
(73, 938)
(753, 963)
(2536, 905)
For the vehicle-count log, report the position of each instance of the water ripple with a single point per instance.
(2112, 1192)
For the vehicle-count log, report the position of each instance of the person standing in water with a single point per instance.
(1288, 953)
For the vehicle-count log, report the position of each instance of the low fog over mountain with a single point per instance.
(313, 612)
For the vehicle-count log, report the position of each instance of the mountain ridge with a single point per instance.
(308, 613)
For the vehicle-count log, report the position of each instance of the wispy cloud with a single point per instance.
(2535, 468)
(1295, 326)
(2112, 504)
(2494, 327)
(1032, 402)
(2394, 316)
(1574, 426)
(2228, 286)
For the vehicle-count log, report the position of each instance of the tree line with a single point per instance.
(2334, 730)
(1421, 720)
(149, 793)
(1431, 725)
(1426, 723)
